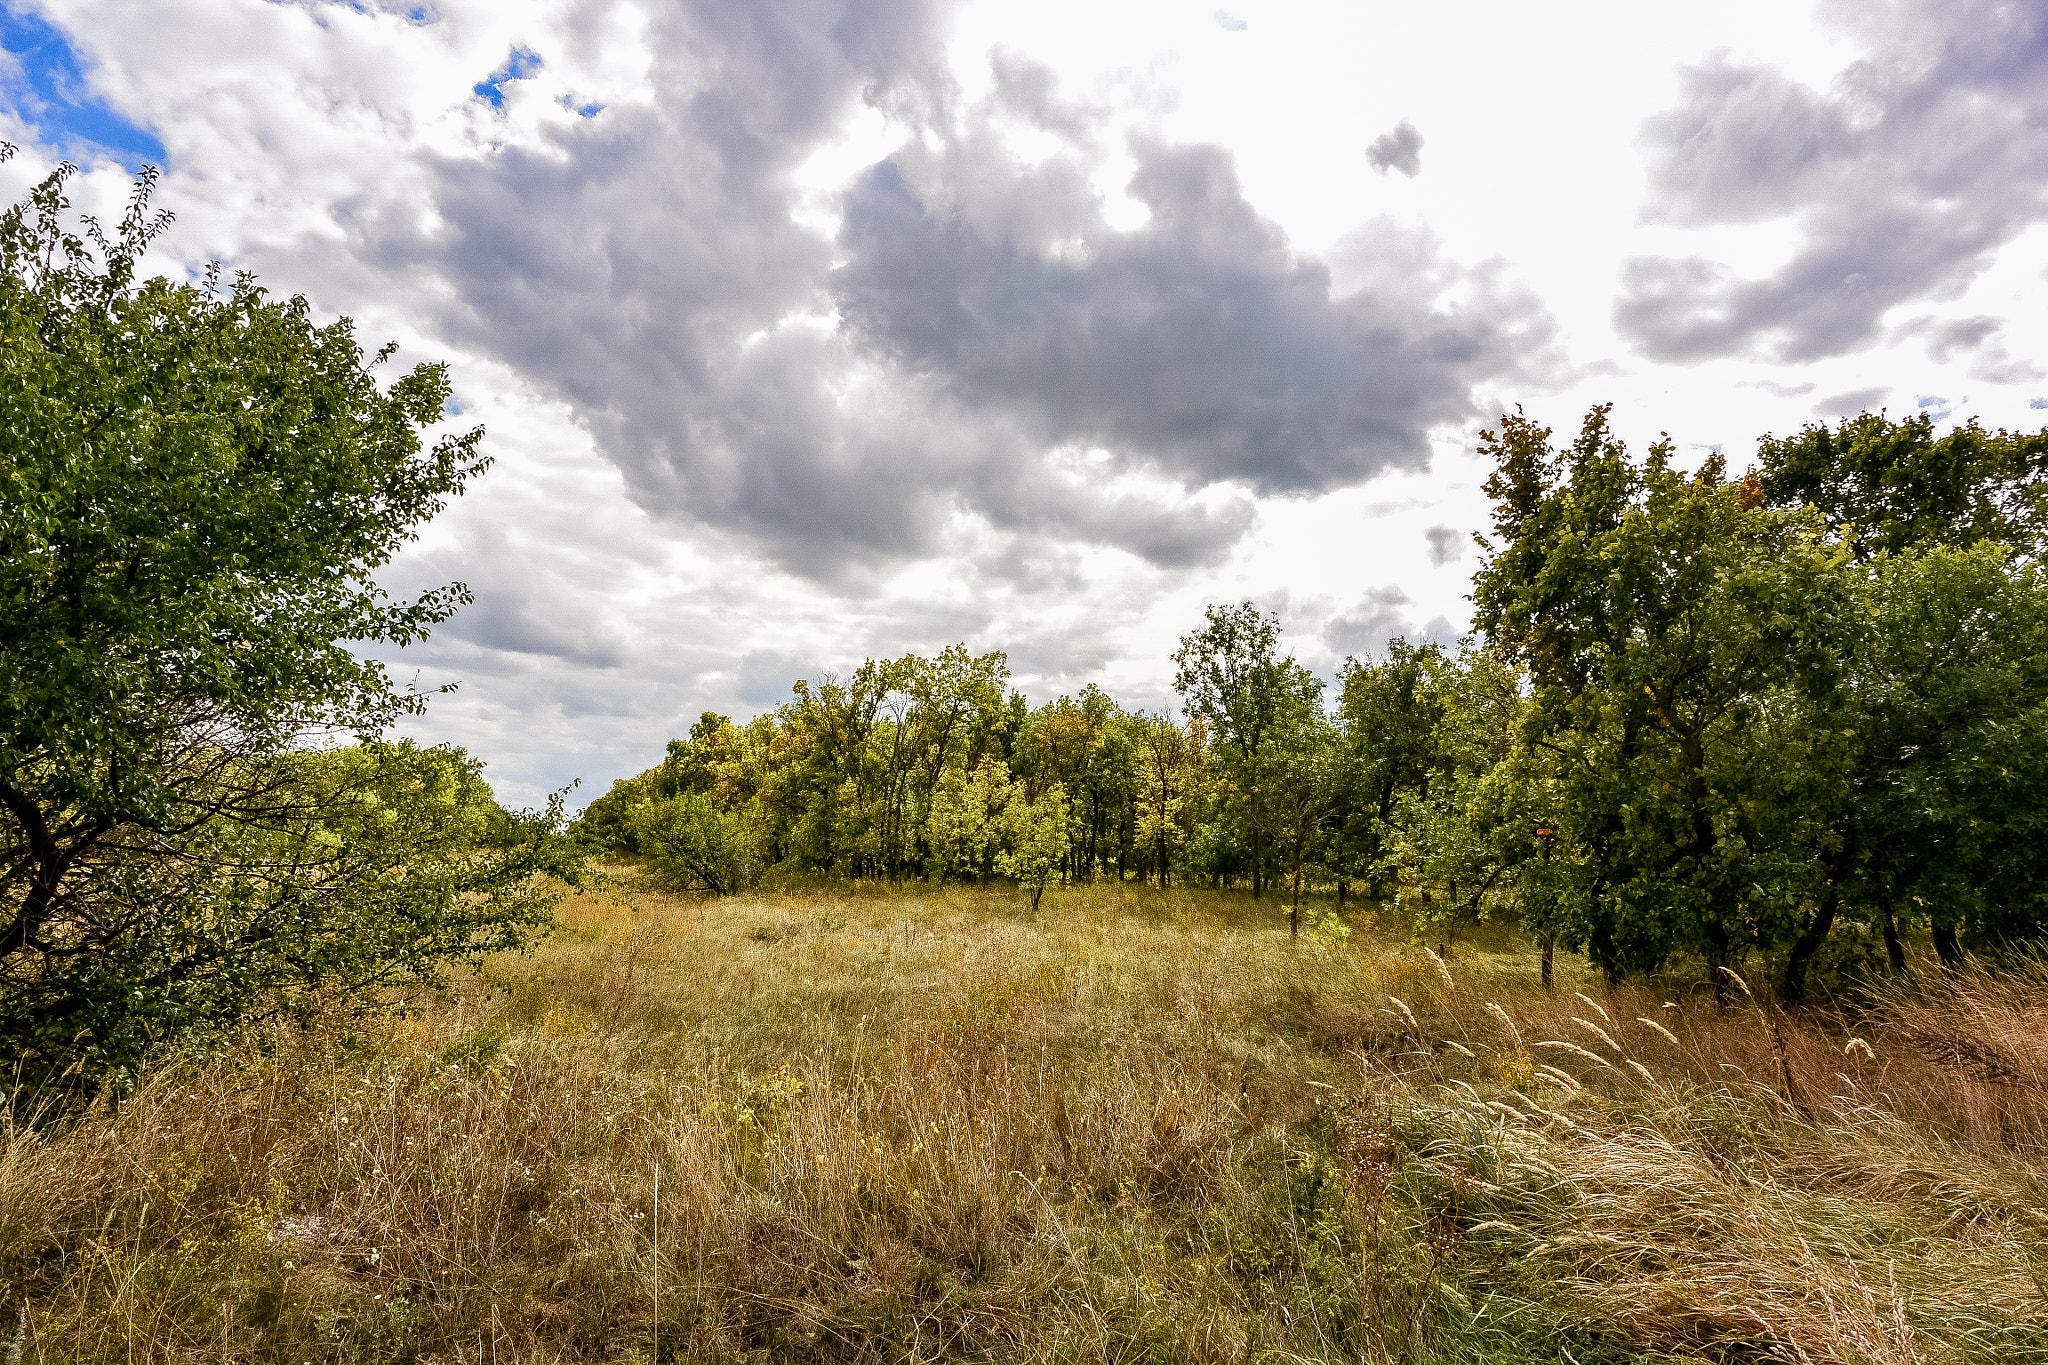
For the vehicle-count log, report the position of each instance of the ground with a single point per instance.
(1139, 1125)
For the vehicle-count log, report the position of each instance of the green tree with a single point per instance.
(694, 845)
(970, 819)
(1942, 800)
(1301, 788)
(1038, 840)
(1388, 715)
(1686, 645)
(1229, 672)
(1167, 767)
(1464, 830)
(832, 780)
(1892, 485)
(197, 487)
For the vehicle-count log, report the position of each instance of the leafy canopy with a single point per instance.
(197, 488)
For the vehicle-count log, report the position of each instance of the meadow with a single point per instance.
(1139, 1125)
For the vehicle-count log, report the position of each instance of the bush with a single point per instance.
(694, 846)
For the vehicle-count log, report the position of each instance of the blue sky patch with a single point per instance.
(522, 62)
(44, 83)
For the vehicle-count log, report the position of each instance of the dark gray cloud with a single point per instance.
(1902, 179)
(646, 266)
(1946, 339)
(1976, 338)
(1398, 149)
(1197, 345)
(1850, 404)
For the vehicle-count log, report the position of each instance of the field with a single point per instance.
(1138, 1126)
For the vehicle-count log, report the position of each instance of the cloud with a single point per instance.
(1397, 150)
(1945, 339)
(983, 315)
(1197, 345)
(1900, 181)
(1775, 389)
(752, 417)
(1446, 546)
(1851, 404)
(1974, 337)
(523, 604)
(1364, 630)
(646, 267)
(767, 676)
(1230, 22)
(1031, 91)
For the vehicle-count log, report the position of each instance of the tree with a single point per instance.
(1890, 486)
(1301, 789)
(1464, 830)
(970, 819)
(1388, 716)
(832, 781)
(1936, 808)
(1229, 674)
(1038, 840)
(1942, 808)
(197, 487)
(1168, 765)
(1686, 645)
(693, 845)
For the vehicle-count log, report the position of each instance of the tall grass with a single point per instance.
(1137, 1126)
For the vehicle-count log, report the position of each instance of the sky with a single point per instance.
(809, 331)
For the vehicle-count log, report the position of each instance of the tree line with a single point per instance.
(1699, 718)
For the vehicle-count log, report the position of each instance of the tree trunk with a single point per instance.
(1549, 951)
(1805, 946)
(1894, 951)
(1294, 911)
(1601, 942)
(1945, 945)
(1717, 936)
(1340, 895)
(1258, 866)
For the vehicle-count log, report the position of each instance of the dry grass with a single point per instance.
(1140, 1126)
